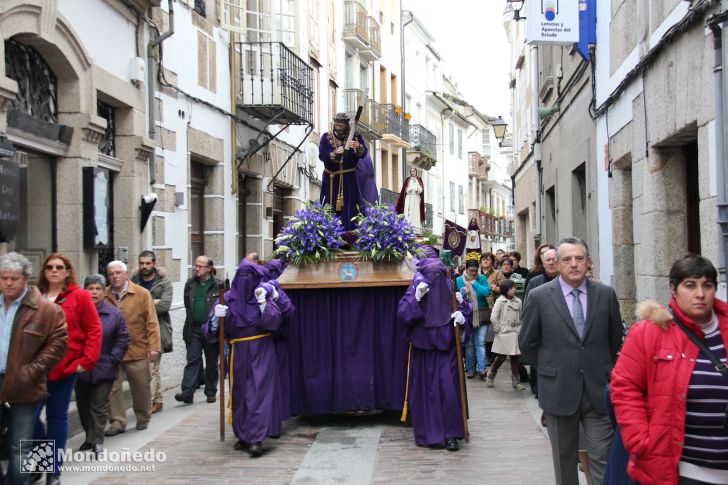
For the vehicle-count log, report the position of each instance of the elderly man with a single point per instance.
(154, 279)
(572, 330)
(137, 306)
(33, 333)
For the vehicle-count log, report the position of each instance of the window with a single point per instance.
(452, 196)
(332, 100)
(107, 144)
(285, 22)
(452, 138)
(460, 143)
(258, 21)
(197, 209)
(486, 143)
(461, 200)
(200, 8)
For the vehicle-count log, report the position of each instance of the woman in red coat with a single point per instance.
(57, 283)
(670, 402)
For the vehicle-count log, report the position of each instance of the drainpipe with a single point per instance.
(537, 148)
(151, 72)
(403, 94)
(720, 48)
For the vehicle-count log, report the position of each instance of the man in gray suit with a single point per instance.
(572, 330)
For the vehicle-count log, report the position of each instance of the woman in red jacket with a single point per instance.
(670, 402)
(57, 283)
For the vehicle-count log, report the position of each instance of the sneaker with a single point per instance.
(157, 407)
(183, 398)
(113, 431)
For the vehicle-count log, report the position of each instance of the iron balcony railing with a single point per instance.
(423, 140)
(351, 101)
(275, 82)
(393, 123)
(370, 121)
(375, 42)
(355, 22)
(477, 166)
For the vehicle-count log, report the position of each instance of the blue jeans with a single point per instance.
(59, 397)
(475, 358)
(20, 419)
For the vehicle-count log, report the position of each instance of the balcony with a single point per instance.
(423, 153)
(356, 28)
(395, 129)
(373, 51)
(275, 83)
(369, 124)
(477, 166)
(492, 227)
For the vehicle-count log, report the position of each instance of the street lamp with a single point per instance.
(499, 127)
(516, 6)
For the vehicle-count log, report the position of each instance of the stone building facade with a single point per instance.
(658, 129)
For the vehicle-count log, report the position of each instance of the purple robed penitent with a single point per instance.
(330, 188)
(434, 394)
(366, 180)
(254, 366)
(274, 268)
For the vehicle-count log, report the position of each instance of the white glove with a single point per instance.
(221, 311)
(260, 295)
(459, 297)
(421, 290)
(458, 318)
(274, 294)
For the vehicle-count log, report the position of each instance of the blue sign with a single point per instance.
(348, 272)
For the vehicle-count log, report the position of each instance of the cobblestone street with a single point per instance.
(507, 446)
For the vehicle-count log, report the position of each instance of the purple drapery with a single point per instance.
(347, 350)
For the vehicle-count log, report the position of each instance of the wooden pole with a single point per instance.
(461, 374)
(221, 363)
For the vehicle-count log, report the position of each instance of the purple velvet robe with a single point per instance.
(274, 269)
(330, 184)
(254, 375)
(434, 392)
(366, 180)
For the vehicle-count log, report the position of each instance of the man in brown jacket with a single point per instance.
(137, 306)
(36, 328)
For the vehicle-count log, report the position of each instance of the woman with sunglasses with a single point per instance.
(57, 283)
(669, 398)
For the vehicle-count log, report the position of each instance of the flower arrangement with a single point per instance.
(312, 235)
(384, 234)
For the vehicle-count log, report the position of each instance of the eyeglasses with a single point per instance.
(195, 266)
(57, 267)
